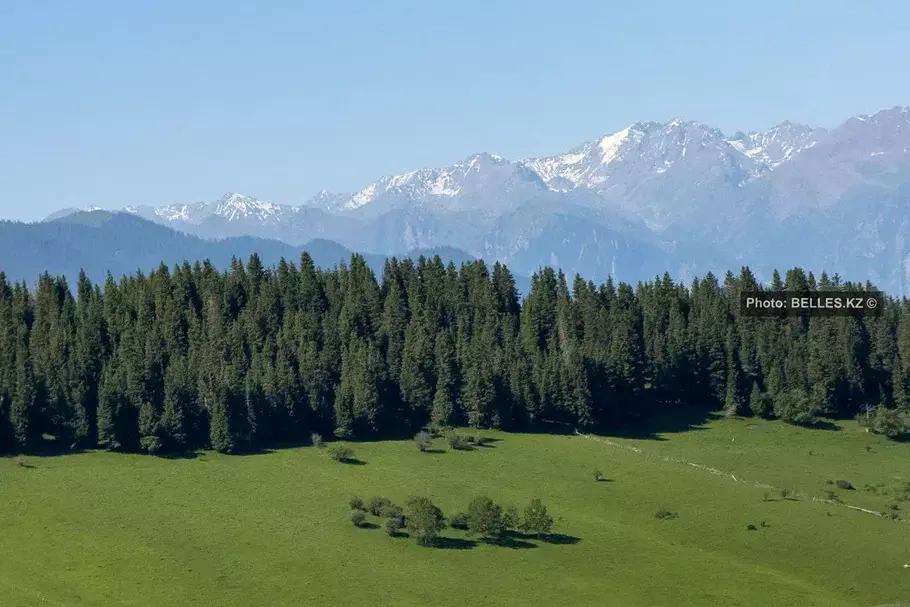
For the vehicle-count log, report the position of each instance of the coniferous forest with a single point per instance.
(192, 357)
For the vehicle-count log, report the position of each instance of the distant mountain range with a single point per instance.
(678, 196)
(121, 243)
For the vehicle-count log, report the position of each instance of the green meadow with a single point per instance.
(102, 528)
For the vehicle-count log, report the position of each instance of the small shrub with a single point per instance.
(785, 493)
(376, 504)
(598, 475)
(846, 485)
(751, 527)
(317, 440)
(358, 517)
(889, 422)
(394, 524)
(766, 496)
(341, 452)
(457, 441)
(20, 461)
(480, 441)
(831, 496)
(765, 523)
(423, 441)
(665, 514)
(459, 521)
(870, 488)
(357, 503)
(829, 482)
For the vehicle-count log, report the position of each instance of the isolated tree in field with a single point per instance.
(424, 520)
(340, 452)
(536, 519)
(358, 517)
(485, 518)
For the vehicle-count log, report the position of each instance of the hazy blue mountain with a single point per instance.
(121, 243)
(681, 196)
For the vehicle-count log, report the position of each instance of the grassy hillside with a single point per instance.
(273, 528)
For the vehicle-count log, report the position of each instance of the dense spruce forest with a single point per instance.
(192, 357)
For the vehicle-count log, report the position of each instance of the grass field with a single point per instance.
(273, 529)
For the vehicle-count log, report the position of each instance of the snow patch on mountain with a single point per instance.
(609, 145)
(777, 145)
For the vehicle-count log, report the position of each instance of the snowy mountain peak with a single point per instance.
(610, 144)
(233, 206)
(779, 144)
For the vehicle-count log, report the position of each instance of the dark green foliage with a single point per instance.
(847, 485)
(759, 402)
(664, 514)
(536, 519)
(510, 518)
(751, 527)
(376, 505)
(485, 518)
(424, 520)
(598, 475)
(459, 521)
(358, 517)
(888, 422)
(191, 357)
(391, 510)
(357, 503)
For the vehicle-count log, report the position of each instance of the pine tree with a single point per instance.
(24, 414)
(416, 379)
(443, 412)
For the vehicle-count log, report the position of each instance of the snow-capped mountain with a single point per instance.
(231, 207)
(678, 195)
(778, 144)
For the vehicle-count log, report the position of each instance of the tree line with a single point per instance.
(193, 357)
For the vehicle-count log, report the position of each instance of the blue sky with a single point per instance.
(113, 103)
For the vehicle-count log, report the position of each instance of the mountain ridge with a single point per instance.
(657, 187)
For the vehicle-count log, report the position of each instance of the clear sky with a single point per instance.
(111, 103)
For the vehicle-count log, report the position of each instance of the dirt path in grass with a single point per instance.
(729, 475)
